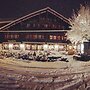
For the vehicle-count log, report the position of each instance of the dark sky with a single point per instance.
(10, 9)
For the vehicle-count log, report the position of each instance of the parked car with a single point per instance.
(82, 57)
(42, 58)
(53, 58)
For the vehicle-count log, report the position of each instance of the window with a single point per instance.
(38, 25)
(42, 36)
(51, 37)
(46, 25)
(34, 47)
(16, 36)
(30, 36)
(11, 36)
(7, 36)
(62, 38)
(35, 36)
(28, 25)
(28, 47)
(58, 37)
(16, 47)
(39, 36)
(55, 37)
(27, 36)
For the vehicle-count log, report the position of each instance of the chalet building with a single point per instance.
(40, 30)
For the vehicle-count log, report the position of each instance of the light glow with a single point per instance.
(10, 46)
(45, 46)
(22, 46)
(70, 47)
(61, 47)
(75, 47)
(56, 47)
(51, 47)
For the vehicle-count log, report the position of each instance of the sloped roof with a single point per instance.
(5, 22)
(26, 17)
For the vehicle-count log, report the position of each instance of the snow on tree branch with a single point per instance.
(80, 25)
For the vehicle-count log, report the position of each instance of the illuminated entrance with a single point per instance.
(33, 46)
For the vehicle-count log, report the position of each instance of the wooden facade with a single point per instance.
(45, 26)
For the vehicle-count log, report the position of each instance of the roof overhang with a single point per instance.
(42, 31)
(35, 14)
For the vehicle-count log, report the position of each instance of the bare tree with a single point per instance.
(80, 25)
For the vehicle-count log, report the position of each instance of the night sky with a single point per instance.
(10, 9)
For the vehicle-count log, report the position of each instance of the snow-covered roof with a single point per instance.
(48, 9)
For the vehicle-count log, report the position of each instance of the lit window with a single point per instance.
(62, 38)
(11, 36)
(55, 37)
(39, 36)
(16, 36)
(27, 46)
(27, 36)
(42, 36)
(58, 37)
(34, 36)
(31, 36)
(45, 47)
(16, 47)
(51, 37)
(34, 47)
(7, 36)
(40, 47)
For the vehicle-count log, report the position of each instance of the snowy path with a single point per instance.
(32, 75)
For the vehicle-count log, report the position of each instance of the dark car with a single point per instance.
(82, 57)
(53, 58)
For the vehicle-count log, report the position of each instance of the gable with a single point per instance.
(45, 19)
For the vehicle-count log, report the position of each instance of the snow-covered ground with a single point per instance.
(34, 75)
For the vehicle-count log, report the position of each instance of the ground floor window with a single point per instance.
(16, 46)
(33, 46)
(40, 47)
(51, 47)
(56, 37)
(27, 47)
